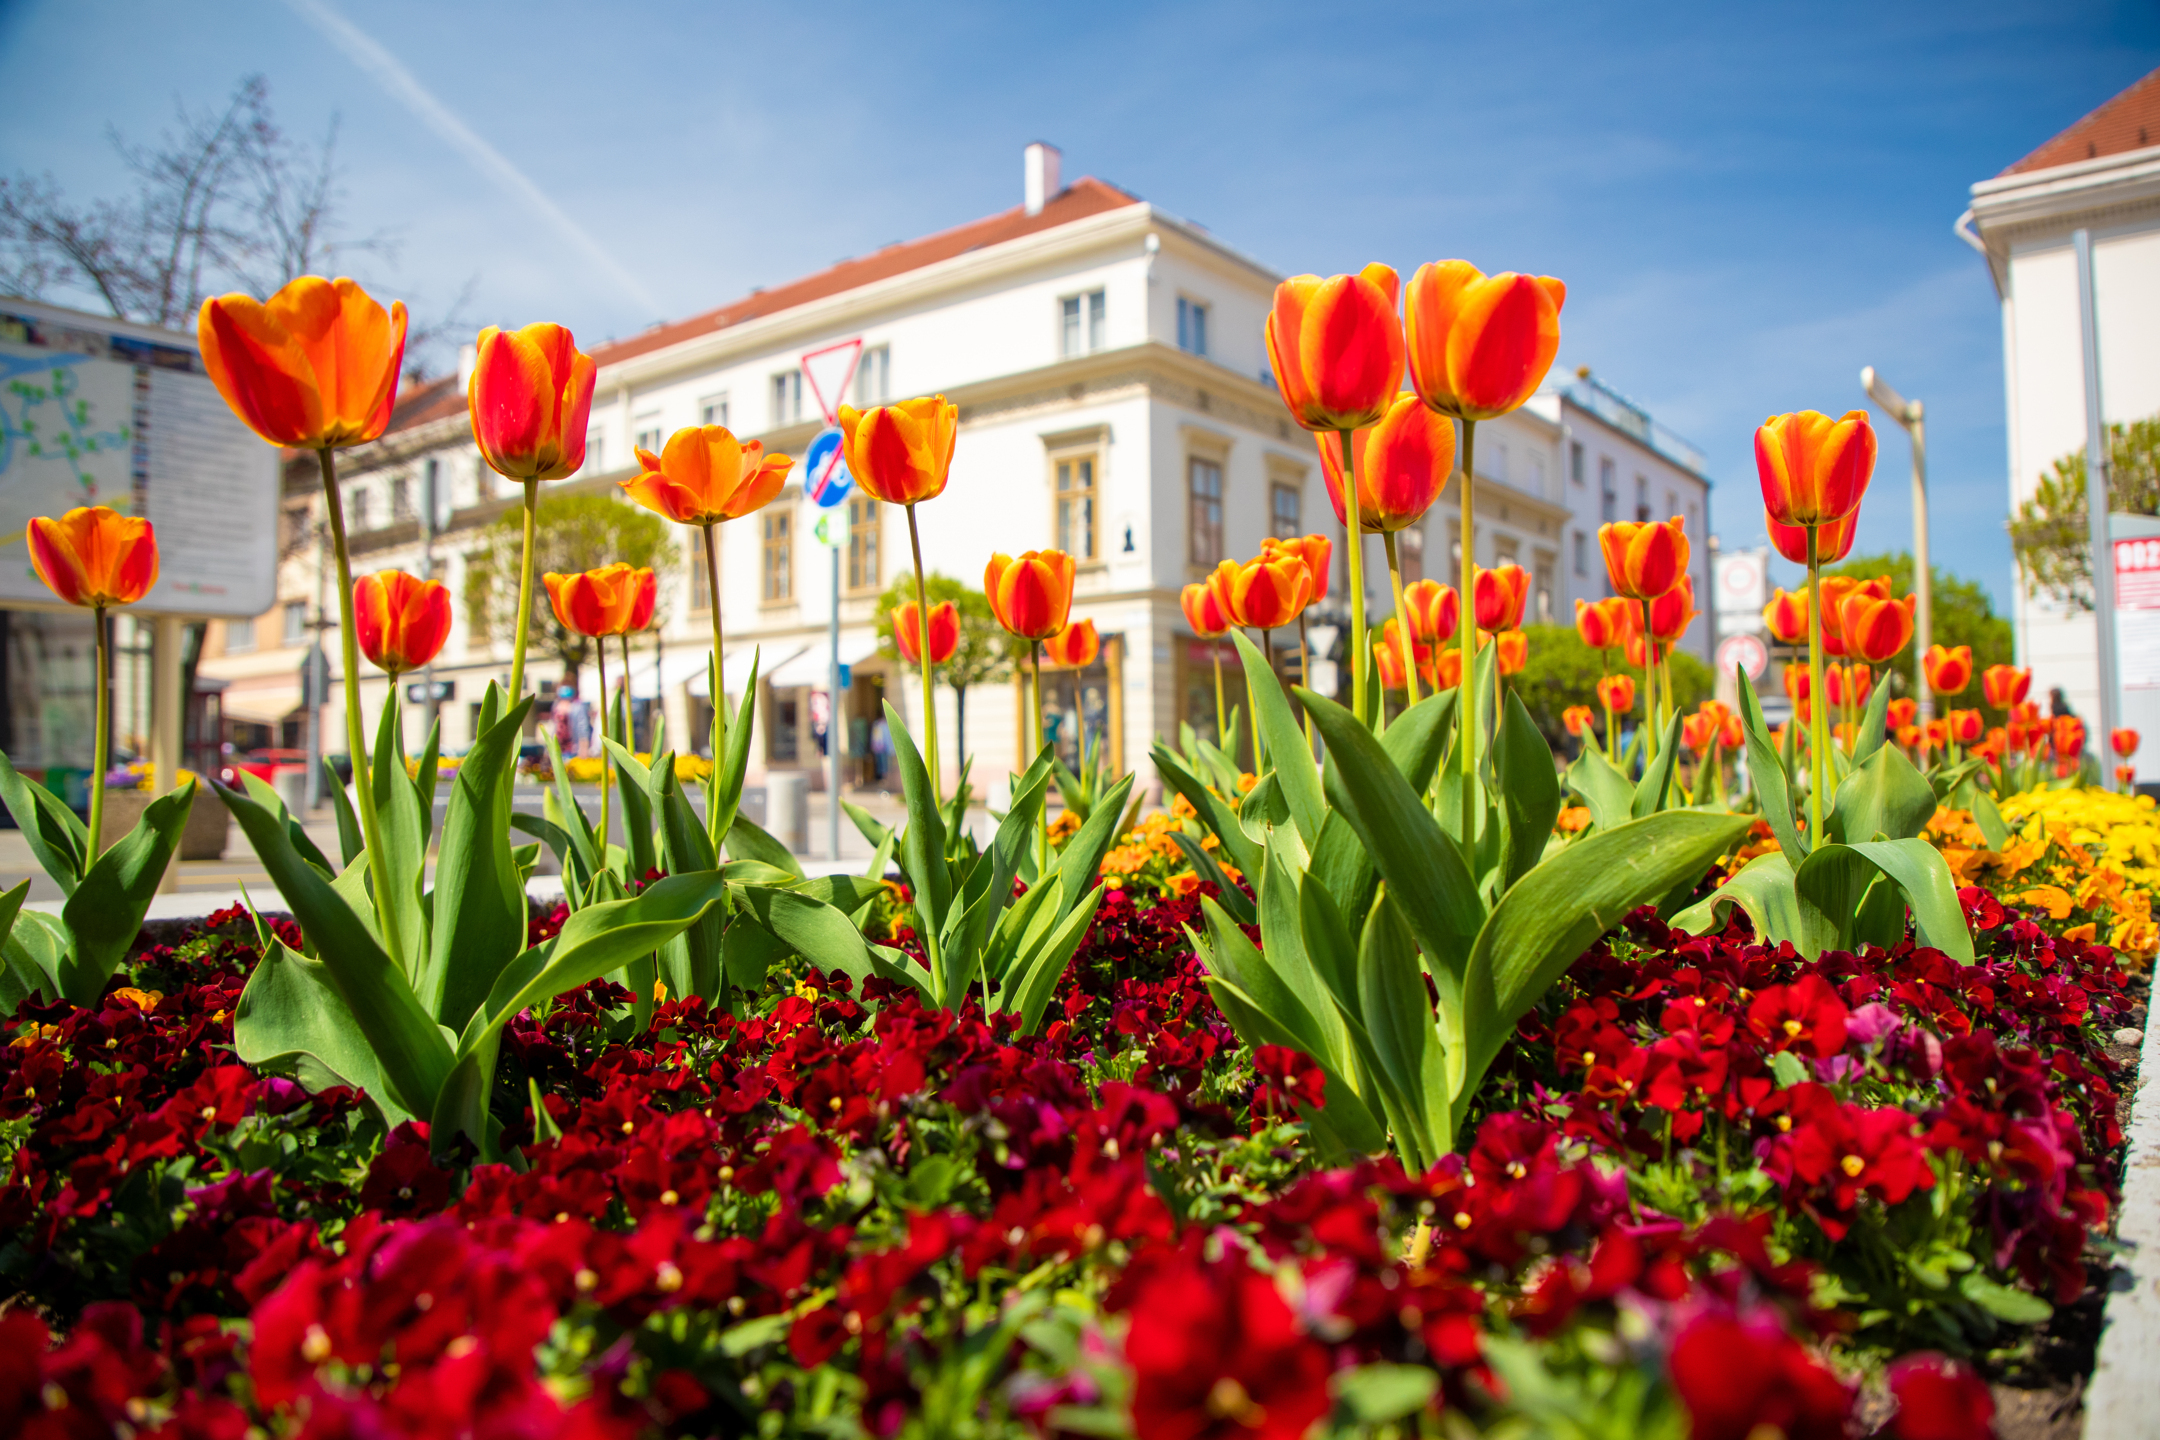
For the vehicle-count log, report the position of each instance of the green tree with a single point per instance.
(985, 652)
(2052, 532)
(1963, 615)
(575, 532)
(1562, 671)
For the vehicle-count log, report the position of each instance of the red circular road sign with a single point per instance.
(1744, 652)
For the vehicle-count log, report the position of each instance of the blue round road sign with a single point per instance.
(825, 474)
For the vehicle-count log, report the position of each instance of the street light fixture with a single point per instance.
(1909, 414)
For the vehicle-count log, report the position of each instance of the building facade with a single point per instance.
(1115, 402)
(2102, 176)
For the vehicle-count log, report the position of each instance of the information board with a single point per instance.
(95, 411)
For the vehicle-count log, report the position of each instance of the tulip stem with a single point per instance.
(1817, 696)
(1650, 702)
(1222, 715)
(1042, 818)
(606, 761)
(719, 682)
(1304, 670)
(1466, 689)
(355, 733)
(101, 747)
(929, 701)
(1355, 537)
(1402, 620)
(1252, 704)
(525, 581)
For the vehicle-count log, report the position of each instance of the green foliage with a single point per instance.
(1962, 615)
(573, 533)
(2052, 532)
(1562, 671)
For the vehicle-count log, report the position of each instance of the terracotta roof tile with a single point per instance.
(2130, 121)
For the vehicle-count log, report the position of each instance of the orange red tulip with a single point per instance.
(1074, 647)
(1514, 651)
(1836, 590)
(1798, 685)
(1030, 595)
(2123, 742)
(1317, 551)
(599, 602)
(1336, 347)
(313, 367)
(1949, 671)
(400, 620)
(1594, 623)
(1203, 611)
(529, 399)
(1902, 712)
(944, 631)
(1447, 669)
(2067, 733)
(1644, 559)
(1964, 726)
(1388, 655)
(2005, 685)
(1617, 693)
(902, 454)
(1697, 731)
(1263, 594)
(1875, 627)
(1501, 594)
(1814, 469)
(1672, 612)
(1833, 542)
(1786, 616)
(94, 556)
(1579, 719)
(1479, 345)
(1848, 684)
(2124, 774)
(704, 476)
(1434, 610)
(1403, 463)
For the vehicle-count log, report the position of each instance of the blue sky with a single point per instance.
(1748, 202)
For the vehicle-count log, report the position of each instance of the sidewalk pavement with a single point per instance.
(207, 885)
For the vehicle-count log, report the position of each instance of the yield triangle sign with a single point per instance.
(828, 370)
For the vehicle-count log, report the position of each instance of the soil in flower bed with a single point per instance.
(1711, 1186)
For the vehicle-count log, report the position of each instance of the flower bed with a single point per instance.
(1710, 1186)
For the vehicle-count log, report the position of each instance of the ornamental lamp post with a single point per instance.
(1909, 414)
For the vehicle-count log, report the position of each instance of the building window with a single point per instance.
(1074, 481)
(1582, 554)
(650, 436)
(712, 410)
(483, 481)
(700, 583)
(1081, 324)
(295, 622)
(239, 636)
(1506, 551)
(1575, 461)
(1410, 551)
(299, 527)
(1608, 490)
(1537, 475)
(359, 508)
(431, 496)
(864, 569)
(1203, 516)
(873, 377)
(1191, 326)
(1286, 519)
(779, 565)
(1672, 503)
(786, 398)
(1500, 470)
(595, 451)
(400, 499)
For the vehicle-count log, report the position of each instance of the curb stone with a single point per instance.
(2122, 1401)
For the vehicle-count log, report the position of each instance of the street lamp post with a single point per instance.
(1909, 414)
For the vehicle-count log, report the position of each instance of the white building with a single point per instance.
(2101, 175)
(1115, 402)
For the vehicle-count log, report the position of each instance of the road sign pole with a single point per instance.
(2097, 503)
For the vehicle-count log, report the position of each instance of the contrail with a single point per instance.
(389, 72)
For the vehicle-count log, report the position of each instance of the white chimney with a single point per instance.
(1042, 182)
(468, 360)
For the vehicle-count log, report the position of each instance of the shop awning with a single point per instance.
(260, 705)
(812, 666)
